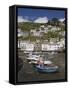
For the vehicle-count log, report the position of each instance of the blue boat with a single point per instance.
(46, 69)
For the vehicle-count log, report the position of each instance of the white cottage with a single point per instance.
(62, 33)
(54, 28)
(26, 46)
(35, 32)
(50, 47)
(20, 33)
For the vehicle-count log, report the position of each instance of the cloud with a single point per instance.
(22, 19)
(61, 19)
(38, 20)
(41, 20)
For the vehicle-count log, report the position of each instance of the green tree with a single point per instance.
(55, 21)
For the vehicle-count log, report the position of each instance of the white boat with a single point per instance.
(35, 62)
(26, 52)
(33, 57)
(47, 62)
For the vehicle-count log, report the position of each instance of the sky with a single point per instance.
(39, 15)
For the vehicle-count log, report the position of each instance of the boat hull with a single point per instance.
(47, 69)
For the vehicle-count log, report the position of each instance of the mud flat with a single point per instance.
(28, 73)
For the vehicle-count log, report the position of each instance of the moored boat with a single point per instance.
(36, 62)
(46, 68)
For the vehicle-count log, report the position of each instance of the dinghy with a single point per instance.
(49, 68)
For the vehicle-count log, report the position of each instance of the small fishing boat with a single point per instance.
(26, 52)
(47, 68)
(36, 62)
(33, 62)
(33, 57)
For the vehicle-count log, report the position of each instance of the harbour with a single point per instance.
(28, 73)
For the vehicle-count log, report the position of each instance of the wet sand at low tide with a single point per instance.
(28, 73)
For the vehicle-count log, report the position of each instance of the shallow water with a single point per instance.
(28, 73)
